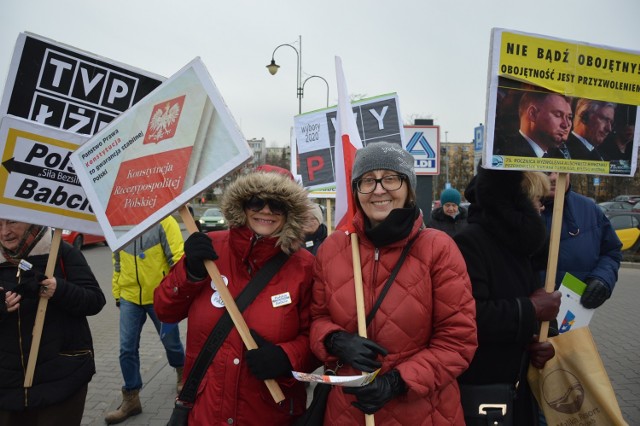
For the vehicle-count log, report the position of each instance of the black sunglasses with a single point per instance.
(256, 204)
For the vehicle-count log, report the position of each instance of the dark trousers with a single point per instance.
(66, 413)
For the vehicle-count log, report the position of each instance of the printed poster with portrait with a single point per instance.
(158, 155)
(560, 105)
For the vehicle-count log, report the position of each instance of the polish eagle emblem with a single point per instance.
(164, 120)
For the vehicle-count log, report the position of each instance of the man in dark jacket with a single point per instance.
(589, 247)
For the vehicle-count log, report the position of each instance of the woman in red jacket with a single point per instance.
(266, 213)
(424, 334)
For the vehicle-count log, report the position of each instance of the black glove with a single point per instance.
(359, 352)
(540, 352)
(595, 294)
(546, 304)
(29, 284)
(372, 397)
(197, 249)
(117, 303)
(268, 361)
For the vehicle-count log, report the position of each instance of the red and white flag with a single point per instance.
(346, 143)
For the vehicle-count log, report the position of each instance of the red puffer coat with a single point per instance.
(426, 322)
(228, 390)
(229, 393)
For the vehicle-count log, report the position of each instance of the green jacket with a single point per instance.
(139, 267)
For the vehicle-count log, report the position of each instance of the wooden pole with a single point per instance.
(360, 314)
(230, 304)
(41, 312)
(554, 245)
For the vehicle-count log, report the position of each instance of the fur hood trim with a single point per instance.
(271, 186)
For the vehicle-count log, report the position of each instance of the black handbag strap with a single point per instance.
(224, 325)
(392, 277)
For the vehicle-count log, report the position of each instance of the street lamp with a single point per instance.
(273, 69)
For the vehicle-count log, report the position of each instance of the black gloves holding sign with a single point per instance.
(268, 361)
(595, 294)
(359, 352)
(372, 397)
(197, 249)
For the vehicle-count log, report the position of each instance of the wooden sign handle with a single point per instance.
(369, 420)
(554, 245)
(36, 335)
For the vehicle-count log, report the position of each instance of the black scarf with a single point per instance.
(396, 226)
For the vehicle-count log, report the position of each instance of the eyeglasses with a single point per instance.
(256, 204)
(388, 183)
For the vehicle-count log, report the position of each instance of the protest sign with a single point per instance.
(161, 153)
(64, 87)
(38, 183)
(377, 119)
(561, 105)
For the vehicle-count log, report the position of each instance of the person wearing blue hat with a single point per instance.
(449, 217)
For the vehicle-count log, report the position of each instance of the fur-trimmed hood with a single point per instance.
(269, 186)
(501, 206)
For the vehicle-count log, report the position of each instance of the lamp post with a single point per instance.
(273, 69)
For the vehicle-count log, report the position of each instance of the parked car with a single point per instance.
(212, 220)
(79, 240)
(615, 206)
(632, 199)
(627, 227)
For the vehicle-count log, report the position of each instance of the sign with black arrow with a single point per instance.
(38, 183)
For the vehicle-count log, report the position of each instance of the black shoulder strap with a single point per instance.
(224, 325)
(392, 277)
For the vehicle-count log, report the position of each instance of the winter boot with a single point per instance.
(130, 407)
(179, 383)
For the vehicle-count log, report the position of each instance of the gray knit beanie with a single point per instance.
(384, 156)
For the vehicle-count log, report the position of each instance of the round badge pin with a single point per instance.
(216, 300)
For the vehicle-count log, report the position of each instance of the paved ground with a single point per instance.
(615, 327)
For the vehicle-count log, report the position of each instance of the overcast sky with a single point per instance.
(432, 53)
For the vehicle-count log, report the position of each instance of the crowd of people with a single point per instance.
(452, 297)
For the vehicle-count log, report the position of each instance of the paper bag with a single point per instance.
(573, 388)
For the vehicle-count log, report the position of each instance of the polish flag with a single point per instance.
(346, 143)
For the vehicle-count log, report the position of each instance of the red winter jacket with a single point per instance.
(426, 322)
(229, 392)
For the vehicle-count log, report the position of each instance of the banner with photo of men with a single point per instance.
(559, 105)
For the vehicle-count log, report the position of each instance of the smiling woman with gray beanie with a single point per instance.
(424, 333)
(449, 217)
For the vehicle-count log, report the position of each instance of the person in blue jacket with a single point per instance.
(589, 247)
